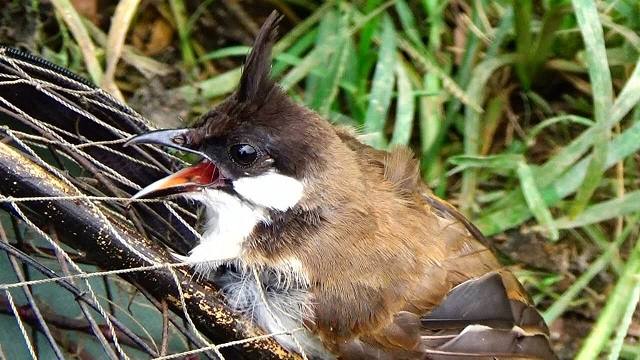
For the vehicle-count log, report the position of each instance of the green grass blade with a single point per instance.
(382, 87)
(628, 97)
(516, 212)
(523, 10)
(600, 76)
(614, 309)
(327, 87)
(476, 90)
(327, 37)
(365, 48)
(179, 11)
(606, 210)
(216, 86)
(408, 22)
(535, 201)
(499, 161)
(596, 267)
(625, 323)
(80, 33)
(405, 107)
(239, 50)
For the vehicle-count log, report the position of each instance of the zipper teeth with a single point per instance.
(45, 64)
(63, 73)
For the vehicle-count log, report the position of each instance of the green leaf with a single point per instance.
(225, 52)
(327, 87)
(606, 210)
(405, 107)
(614, 309)
(477, 90)
(523, 10)
(382, 87)
(501, 161)
(515, 211)
(326, 41)
(535, 201)
(600, 76)
(408, 22)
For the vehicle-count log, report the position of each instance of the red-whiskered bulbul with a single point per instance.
(347, 240)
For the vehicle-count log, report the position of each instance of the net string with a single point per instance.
(50, 89)
(229, 344)
(46, 128)
(42, 85)
(183, 303)
(263, 298)
(77, 268)
(23, 330)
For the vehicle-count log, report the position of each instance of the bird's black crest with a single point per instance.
(255, 82)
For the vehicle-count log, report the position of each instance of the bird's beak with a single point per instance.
(176, 138)
(193, 178)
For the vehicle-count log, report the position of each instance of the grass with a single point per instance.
(523, 113)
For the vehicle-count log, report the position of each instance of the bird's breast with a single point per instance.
(276, 299)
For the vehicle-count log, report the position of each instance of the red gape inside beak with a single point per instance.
(203, 174)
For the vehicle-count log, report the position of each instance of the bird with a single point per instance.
(306, 227)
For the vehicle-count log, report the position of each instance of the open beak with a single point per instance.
(193, 178)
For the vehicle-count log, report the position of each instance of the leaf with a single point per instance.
(501, 161)
(596, 54)
(476, 90)
(515, 211)
(535, 201)
(405, 107)
(327, 86)
(606, 210)
(382, 87)
(74, 22)
(325, 44)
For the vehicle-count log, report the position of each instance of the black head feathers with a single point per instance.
(255, 82)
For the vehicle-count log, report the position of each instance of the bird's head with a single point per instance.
(258, 148)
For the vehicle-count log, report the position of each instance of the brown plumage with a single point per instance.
(390, 271)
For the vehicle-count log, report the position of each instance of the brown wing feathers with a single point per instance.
(479, 318)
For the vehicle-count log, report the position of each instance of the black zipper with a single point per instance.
(42, 63)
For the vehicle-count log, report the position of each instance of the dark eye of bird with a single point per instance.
(243, 154)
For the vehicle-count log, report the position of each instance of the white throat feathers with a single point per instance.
(279, 300)
(231, 219)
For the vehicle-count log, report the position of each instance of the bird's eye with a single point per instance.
(243, 154)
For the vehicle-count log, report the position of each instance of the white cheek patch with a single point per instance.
(270, 190)
(229, 222)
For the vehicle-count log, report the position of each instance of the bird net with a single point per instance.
(88, 272)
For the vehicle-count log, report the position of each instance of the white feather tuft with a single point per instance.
(271, 190)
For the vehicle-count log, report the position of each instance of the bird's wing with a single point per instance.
(486, 313)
